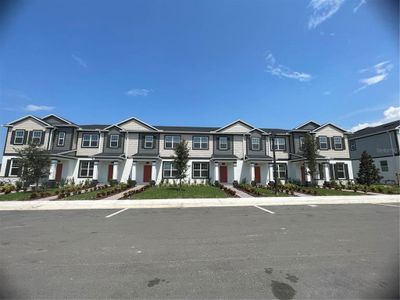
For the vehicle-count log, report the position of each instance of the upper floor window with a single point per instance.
(337, 143)
(384, 166)
(114, 140)
(36, 137)
(301, 143)
(223, 143)
(200, 170)
(170, 141)
(86, 168)
(280, 143)
(255, 143)
(323, 142)
(353, 146)
(19, 137)
(148, 141)
(200, 142)
(61, 138)
(90, 140)
(169, 170)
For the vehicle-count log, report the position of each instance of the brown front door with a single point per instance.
(147, 173)
(303, 174)
(59, 172)
(223, 174)
(257, 172)
(110, 172)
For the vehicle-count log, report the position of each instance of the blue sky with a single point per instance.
(270, 63)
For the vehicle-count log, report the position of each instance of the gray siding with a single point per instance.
(156, 144)
(378, 145)
(69, 135)
(262, 150)
(229, 151)
(121, 142)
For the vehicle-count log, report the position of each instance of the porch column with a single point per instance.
(133, 171)
(53, 169)
(271, 172)
(115, 171)
(95, 176)
(216, 171)
(308, 175)
(252, 173)
(235, 177)
(326, 172)
(153, 171)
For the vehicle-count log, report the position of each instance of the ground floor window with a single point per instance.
(200, 170)
(86, 168)
(281, 171)
(384, 166)
(169, 170)
(321, 171)
(340, 171)
(15, 167)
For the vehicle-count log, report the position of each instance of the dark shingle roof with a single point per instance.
(187, 128)
(93, 126)
(376, 129)
(275, 130)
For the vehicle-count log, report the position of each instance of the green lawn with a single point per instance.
(328, 192)
(21, 196)
(84, 196)
(169, 192)
(394, 188)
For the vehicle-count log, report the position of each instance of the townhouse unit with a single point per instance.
(382, 143)
(142, 152)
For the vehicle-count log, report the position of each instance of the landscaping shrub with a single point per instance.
(33, 195)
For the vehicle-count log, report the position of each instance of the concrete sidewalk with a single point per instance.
(180, 203)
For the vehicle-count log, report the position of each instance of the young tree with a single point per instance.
(181, 160)
(34, 163)
(368, 173)
(310, 153)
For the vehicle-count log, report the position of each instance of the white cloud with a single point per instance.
(361, 3)
(392, 113)
(322, 10)
(33, 107)
(80, 61)
(138, 92)
(378, 73)
(279, 70)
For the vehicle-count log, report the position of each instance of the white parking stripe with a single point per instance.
(268, 211)
(116, 213)
(313, 205)
(389, 205)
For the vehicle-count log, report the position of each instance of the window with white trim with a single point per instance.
(36, 137)
(14, 168)
(281, 171)
(255, 143)
(90, 140)
(384, 166)
(200, 169)
(19, 136)
(114, 140)
(280, 143)
(223, 143)
(86, 168)
(171, 141)
(200, 142)
(340, 171)
(148, 141)
(337, 143)
(169, 170)
(323, 142)
(61, 139)
(301, 143)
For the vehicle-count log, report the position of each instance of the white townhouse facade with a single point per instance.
(133, 149)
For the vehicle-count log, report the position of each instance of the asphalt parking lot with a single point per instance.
(280, 252)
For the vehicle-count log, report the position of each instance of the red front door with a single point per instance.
(223, 174)
(147, 173)
(110, 172)
(257, 172)
(59, 172)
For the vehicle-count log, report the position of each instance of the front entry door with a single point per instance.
(59, 172)
(257, 172)
(110, 172)
(223, 174)
(303, 174)
(147, 173)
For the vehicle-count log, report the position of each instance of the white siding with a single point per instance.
(132, 144)
(236, 128)
(238, 145)
(133, 125)
(189, 139)
(89, 151)
(330, 131)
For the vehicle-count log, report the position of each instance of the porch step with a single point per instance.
(120, 195)
(240, 193)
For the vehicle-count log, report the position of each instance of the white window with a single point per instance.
(384, 166)
(114, 140)
(61, 138)
(170, 141)
(301, 143)
(337, 143)
(148, 141)
(323, 142)
(255, 143)
(14, 168)
(340, 172)
(19, 137)
(169, 170)
(36, 137)
(223, 143)
(90, 140)
(86, 169)
(200, 170)
(281, 171)
(280, 143)
(200, 142)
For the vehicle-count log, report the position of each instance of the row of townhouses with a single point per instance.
(142, 152)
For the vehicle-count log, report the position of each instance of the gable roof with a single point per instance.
(329, 124)
(27, 117)
(307, 123)
(233, 123)
(137, 120)
(380, 128)
(59, 118)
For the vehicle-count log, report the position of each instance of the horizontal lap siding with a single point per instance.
(132, 143)
(89, 151)
(376, 145)
(189, 139)
(330, 132)
(238, 146)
